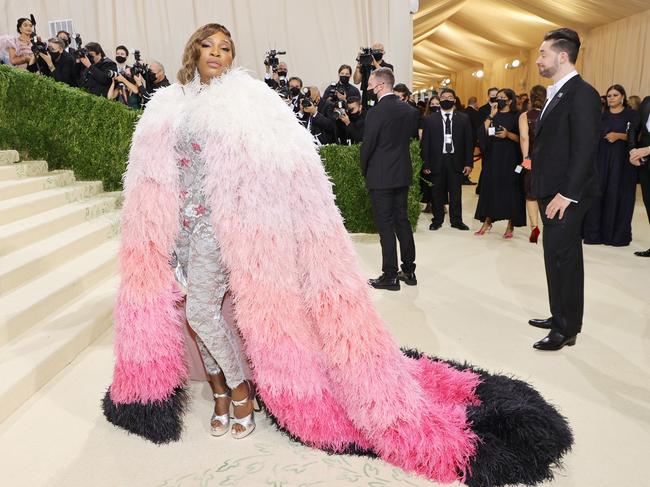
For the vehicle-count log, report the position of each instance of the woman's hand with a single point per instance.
(502, 134)
(613, 137)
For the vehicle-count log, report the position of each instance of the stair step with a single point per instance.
(8, 157)
(29, 262)
(34, 358)
(25, 206)
(14, 188)
(27, 231)
(23, 170)
(22, 308)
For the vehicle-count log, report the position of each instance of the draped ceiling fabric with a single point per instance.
(318, 36)
(454, 38)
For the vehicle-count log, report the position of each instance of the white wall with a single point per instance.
(317, 35)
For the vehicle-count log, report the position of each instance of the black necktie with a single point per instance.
(448, 146)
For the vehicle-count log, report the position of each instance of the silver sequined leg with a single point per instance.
(207, 285)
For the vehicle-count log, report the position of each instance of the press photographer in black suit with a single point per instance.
(318, 116)
(448, 155)
(351, 125)
(564, 181)
(96, 75)
(362, 72)
(639, 144)
(386, 165)
(55, 63)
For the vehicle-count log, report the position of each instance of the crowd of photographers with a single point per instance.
(337, 115)
(84, 66)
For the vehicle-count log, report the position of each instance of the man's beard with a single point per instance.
(550, 72)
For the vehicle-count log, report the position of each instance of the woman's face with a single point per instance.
(434, 103)
(215, 56)
(614, 99)
(26, 27)
(502, 96)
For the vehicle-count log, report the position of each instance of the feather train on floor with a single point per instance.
(326, 368)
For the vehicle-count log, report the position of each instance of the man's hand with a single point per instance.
(138, 80)
(45, 56)
(637, 154)
(341, 96)
(558, 203)
(85, 61)
(467, 171)
(311, 110)
(345, 119)
(611, 137)
(375, 63)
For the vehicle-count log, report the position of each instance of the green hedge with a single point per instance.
(71, 129)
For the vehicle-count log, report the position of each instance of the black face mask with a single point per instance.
(378, 56)
(493, 99)
(501, 104)
(295, 91)
(435, 109)
(447, 104)
(55, 55)
(345, 80)
(282, 74)
(120, 59)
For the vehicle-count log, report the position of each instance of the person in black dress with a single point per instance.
(527, 126)
(501, 196)
(426, 183)
(609, 220)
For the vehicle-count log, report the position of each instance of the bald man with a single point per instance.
(362, 73)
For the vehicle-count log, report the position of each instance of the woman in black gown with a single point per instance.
(501, 196)
(609, 220)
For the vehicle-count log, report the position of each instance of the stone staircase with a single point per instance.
(58, 272)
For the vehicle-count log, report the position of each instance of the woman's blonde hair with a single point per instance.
(193, 49)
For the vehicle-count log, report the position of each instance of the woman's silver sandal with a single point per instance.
(247, 422)
(224, 419)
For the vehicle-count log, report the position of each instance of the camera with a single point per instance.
(271, 58)
(340, 110)
(336, 88)
(38, 46)
(305, 98)
(81, 51)
(139, 68)
(366, 56)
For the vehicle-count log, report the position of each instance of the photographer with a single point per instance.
(369, 60)
(402, 92)
(351, 124)
(121, 56)
(125, 90)
(318, 116)
(275, 77)
(65, 37)
(55, 63)
(98, 71)
(155, 79)
(343, 89)
(295, 87)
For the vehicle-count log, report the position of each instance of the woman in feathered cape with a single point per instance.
(325, 367)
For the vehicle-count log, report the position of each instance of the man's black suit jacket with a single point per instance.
(566, 143)
(385, 152)
(433, 129)
(639, 136)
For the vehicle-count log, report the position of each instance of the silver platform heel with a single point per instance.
(248, 422)
(224, 419)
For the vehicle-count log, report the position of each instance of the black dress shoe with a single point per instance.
(385, 282)
(435, 226)
(643, 253)
(408, 278)
(460, 226)
(555, 341)
(539, 323)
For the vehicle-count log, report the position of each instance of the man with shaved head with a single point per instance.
(362, 73)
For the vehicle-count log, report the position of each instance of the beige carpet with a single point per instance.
(472, 303)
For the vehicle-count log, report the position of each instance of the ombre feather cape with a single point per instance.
(326, 368)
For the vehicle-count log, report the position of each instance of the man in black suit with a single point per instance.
(639, 144)
(486, 109)
(386, 165)
(318, 117)
(447, 154)
(55, 63)
(564, 181)
(96, 76)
